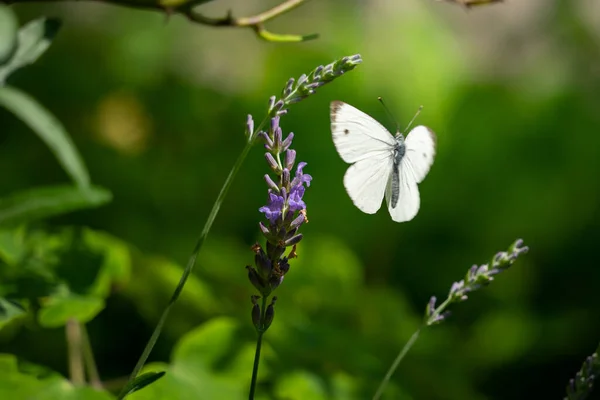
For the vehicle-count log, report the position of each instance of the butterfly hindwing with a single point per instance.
(420, 151)
(408, 203)
(366, 180)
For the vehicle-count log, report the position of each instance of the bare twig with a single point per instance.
(76, 372)
(90, 363)
(187, 9)
(255, 22)
(473, 3)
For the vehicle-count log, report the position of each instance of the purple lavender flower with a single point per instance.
(285, 211)
(295, 199)
(274, 208)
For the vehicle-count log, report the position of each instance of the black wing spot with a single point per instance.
(424, 155)
(346, 131)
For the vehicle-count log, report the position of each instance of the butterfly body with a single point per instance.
(382, 165)
(399, 152)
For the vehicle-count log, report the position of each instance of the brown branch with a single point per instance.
(187, 9)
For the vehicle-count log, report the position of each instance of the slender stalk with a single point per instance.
(261, 332)
(76, 370)
(407, 348)
(395, 364)
(88, 358)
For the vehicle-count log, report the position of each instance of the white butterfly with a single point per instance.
(381, 163)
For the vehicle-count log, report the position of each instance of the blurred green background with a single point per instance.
(157, 107)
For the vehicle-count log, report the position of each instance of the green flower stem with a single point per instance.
(76, 371)
(408, 346)
(399, 358)
(476, 278)
(88, 358)
(261, 332)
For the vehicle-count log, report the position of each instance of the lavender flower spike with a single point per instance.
(285, 210)
(580, 387)
(475, 278)
(298, 90)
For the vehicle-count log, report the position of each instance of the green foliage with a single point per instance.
(49, 129)
(62, 275)
(33, 40)
(8, 34)
(203, 365)
(24, 382)
(44, 202)
(9, 311)
(142, 381)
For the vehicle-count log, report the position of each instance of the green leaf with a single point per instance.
(18, 384)
(8, 34)
(142, 381)
(116, 266)
(9, 311)
(300, 385)
(12, 245)
(59, 310)
(44, 202)
(33, 40)
(206, 365)
(49, 129)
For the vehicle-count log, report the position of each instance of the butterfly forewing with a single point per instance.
(356, 135)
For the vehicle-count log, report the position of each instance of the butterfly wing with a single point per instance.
(366, 180)
(420, 151)
(356, 135)
(362, 141)
(408, 203)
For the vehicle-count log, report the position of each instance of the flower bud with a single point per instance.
(290, 156)
(270, 313)
(271, 184)
(255, 313)
(271, 161)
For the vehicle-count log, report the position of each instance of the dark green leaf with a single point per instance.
(9, 310)
(12, 245)
(8, 34)
(48, 201)
(17, 383)
(204, 365)
(49, 129)
(142, 381)
(79, 265)
(33, 40)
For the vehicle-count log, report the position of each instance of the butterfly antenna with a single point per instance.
(389, 113)
(413, 119)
